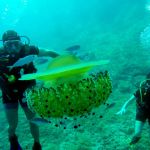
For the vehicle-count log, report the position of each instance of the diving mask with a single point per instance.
(12, 45)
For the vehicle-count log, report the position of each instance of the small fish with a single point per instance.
(73, 48)
(110, 105)
(39, 121)
(28, 59)
(23, 61)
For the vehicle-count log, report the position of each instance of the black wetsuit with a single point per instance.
(143, 105)
(13, 92)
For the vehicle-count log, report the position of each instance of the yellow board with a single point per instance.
(64, 71)
(62, 61)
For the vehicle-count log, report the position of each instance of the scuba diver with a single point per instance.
(13, 89)
(142, 97)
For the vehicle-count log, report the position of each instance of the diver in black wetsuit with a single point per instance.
(13, 89)
(142, 98)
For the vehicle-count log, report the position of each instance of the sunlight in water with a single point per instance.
(12, 12)
(148, 7)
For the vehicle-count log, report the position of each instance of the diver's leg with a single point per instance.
(138, 127)
(138, 130)
(11, 111)
(141, 116)
(33, 128)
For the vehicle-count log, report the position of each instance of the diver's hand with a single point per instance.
(11, 78)
(122, 111)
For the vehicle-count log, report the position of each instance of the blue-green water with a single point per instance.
(58, 24)
(105, 29)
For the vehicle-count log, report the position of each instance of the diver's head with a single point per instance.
(11, 41)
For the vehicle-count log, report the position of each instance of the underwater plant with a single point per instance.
(70, 99)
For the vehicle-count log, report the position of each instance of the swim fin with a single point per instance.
(135, 139)
(14, 144)
(37, 146)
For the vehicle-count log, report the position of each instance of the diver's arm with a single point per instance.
(123, 109)
(53, 54)
(131, 99)
(43, 52)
